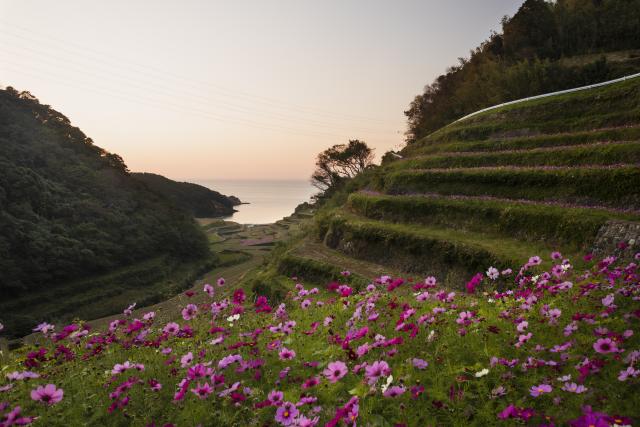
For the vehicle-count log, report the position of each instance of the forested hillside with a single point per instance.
(69, 210)
(200, 201)
(546, 46)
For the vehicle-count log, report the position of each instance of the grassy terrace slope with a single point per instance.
(528, 178)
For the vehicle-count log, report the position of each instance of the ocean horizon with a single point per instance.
(265, 200)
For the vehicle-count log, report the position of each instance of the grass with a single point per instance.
(573, 228)
(617, 187)
(524, 143)
(450, 253)
(311, 270)
(608, 106)
(145, 283)
(592, 154)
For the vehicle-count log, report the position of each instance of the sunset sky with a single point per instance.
(236, 89)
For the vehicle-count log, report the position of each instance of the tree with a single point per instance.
(340, 162)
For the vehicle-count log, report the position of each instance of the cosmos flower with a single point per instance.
(286, 354)
(376, 370)
(189, 312)
(286, 414)
(394, 391)
(275, 397)
(419, 363)
(209, 290)
(574, 388)
(493, 273)
(186, 360)
(43, 327)
(541, 389)
(202, 390)
(48, 394)
(335, 371)
(605, 345)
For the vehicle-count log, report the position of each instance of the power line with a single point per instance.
(189, 81)
(108, 91)
(150, 88)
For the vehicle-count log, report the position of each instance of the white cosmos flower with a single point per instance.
(384, 387)
(482, 373)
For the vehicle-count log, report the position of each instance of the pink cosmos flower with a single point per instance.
(522, 326)
(43, 327)
(574, 388)
(129, 310)
(394, 391)
(276, 397)
(49, 394)
(538, 390)
(171, 328)
(419, 363)
(286, 414)
(335, 371)
(376, 370)
(189, 311)
(303, 421)
(306, 303)
(208, 289)
(186, 360)
(605, 345)
(629, 372)
(286, 354)
(608, 300)
(221, 281)
(13, 417)
(202, 390)
(493, 273)
(535, 260)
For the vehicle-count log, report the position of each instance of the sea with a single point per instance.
(267, 200)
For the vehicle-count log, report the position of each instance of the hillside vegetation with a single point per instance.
(546, 46)
(73, 220)
(200, 201)
(533, 177)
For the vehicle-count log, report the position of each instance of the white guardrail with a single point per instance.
(621, 79)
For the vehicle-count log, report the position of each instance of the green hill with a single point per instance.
(200, 201)
(529, 178)
(73, 220)
(546, 46)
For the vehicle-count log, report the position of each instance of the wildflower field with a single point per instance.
(545, 344)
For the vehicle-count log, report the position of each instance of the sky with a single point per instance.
(204, 89)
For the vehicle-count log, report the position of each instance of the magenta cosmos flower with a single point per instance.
(538, 390)
(335, 371)
(47, 394)
(605, 345)
(286, 414)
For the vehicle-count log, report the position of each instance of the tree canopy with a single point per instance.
(340, 162)
(69, 209)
